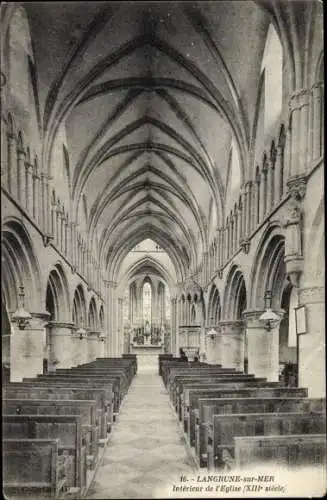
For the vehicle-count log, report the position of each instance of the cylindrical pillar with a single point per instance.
(232, 344)
(262, 346)
(61, 345)
(27, 349)
(214, 348)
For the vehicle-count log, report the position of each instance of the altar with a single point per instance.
(147, 356)
(147, 344)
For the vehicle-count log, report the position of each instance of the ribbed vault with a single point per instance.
(150, 96)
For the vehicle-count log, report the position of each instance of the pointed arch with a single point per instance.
(235, 295)
(20, 266)
(57, 294)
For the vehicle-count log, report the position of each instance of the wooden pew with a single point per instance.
(195, 373)
(210, 407)
(192, 397)
(180, 379)
(116, 377)
(111, 383)
(64, 391)
(210, 382)
(161, 358)
(128, 361)
(182, 399)
(34, 468)
(298, 450)
(224, 428)
(86, 409)
(125, 366)
(66, 428)
(169, 366)
(98, 370)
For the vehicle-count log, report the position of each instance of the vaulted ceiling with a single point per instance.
(150, 95)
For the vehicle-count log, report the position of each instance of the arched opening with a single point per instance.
(270, 274)
(235, 303)
(193, 315)
(92, 316)
(19, 267)
(79, 308)
(147, 304)
(235, 295)
(101, 318)
(214, 309)
(161, 304)
(287, 338)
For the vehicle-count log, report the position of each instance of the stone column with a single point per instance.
(27, 348)
(278, 184)
(316, 125)
(248, 227)
(92, 345)
(262, 345)
(263, 192)
(299, 106)
(21, 182)
(61, 345)
(12, 164)
(256, 210)
(232, 344)
(79, 348)
(244, 212)
(214, 345)
(120, 327)
(311, 346)
(240, 224)
(155, 298)
(226, 242)
(270, 186)
(110, 318)
(29, 193)
(173, 324)
(101, 347)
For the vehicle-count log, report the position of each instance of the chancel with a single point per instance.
(162, 231)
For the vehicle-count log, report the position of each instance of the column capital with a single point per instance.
(231, 327)
(61, 324)
(252, 317)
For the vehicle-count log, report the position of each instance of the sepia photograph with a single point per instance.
(162, 249)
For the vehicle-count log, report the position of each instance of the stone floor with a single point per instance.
(146, 453)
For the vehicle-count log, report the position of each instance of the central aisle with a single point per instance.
(146, 453)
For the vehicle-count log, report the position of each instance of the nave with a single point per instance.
(162, 174)
(147, 450)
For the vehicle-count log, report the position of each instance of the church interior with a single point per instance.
(162, 245)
